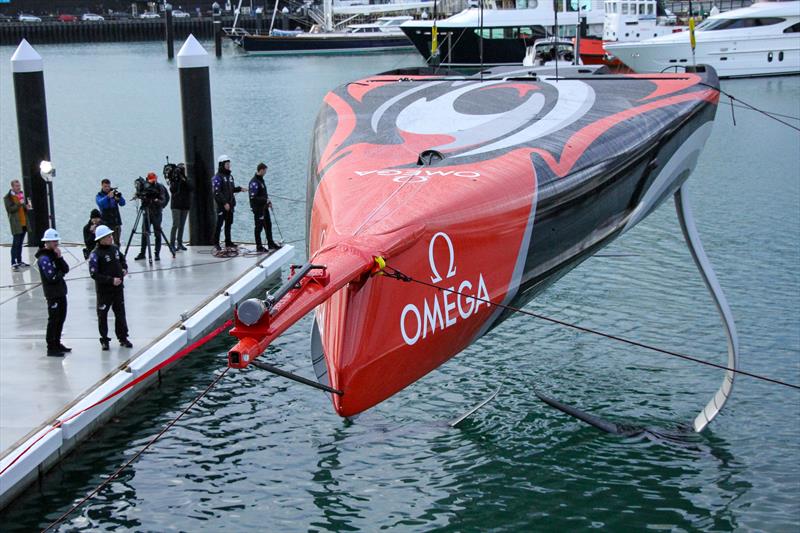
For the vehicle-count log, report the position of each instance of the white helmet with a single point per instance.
(102, 231)
(51, 235)
(223, 158)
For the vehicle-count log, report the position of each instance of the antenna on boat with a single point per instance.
(692, 40)
(480, 43)
(577, 46)
(555, 35)
(434, 37)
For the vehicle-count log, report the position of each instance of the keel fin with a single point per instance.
(472, 411)
(692, 237)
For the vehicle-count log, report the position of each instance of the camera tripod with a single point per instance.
(146, 233)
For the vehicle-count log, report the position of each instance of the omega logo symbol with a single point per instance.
(461, 301)
(451, 269)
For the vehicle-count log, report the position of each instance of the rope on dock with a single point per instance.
(144, 448)
(396, 274)
(178, 355)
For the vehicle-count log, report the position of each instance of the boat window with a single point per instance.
(650, 9)
(490, 33)
(794, 28)
(730, 24)
(641, 9)
(527, 32)
(624, 10)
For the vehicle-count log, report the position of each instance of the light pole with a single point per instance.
(48, 172)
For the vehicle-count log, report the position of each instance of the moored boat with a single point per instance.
(760, 40)
(479, 189)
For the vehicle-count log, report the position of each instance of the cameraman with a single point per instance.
(109, 200)
(154, 197)
(181, 190)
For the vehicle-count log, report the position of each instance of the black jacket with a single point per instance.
(258, 194)
(105, 264)
(88, 237)
(181, 194)
(52, 269)
(223, 186)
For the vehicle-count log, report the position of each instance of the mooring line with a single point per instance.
(127, 463)
(396, 274)
(178, 355)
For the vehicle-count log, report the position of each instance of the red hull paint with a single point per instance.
(574, 150)
(481, 209)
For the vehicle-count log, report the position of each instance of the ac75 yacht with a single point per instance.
(760, 40)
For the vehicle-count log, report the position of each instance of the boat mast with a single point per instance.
(327, 12)
(236, 14)
(274, 13)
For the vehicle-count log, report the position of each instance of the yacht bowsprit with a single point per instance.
(484, 189)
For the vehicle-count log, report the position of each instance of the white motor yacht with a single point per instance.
(760, 40)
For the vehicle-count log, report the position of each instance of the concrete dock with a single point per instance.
(169, 306)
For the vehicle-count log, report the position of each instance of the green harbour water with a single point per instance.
(266, 454)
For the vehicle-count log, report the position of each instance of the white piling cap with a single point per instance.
(192, 54)
(26, 59)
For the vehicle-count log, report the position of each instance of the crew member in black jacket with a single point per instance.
(224, 190)
(108, 268)
(181, 190)
(260, 204)
(88, 232)
(53, 268)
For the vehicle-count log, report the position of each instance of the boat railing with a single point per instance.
(235, 32)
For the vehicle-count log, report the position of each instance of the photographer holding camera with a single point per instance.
(109, 200)
(154, 198)
(181, 190)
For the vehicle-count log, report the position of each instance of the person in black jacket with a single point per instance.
(108, 268)
(88, 232)
(181, 191)
(260, 204)
(224, 190)
(154, 199)
(52, 269)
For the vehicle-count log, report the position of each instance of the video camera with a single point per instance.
(117, 194)
(144, 191)
(174, 173)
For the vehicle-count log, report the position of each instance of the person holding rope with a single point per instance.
(108, 269)
(52, 269)
(261, 204)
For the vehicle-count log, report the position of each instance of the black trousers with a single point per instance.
(262, 221)
(56, 315)
(178, 222)
(226, 218)
(151, 218)
(114, 300)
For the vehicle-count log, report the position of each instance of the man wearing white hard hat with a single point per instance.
(52, 269)
(108, 268)
(224, 191)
